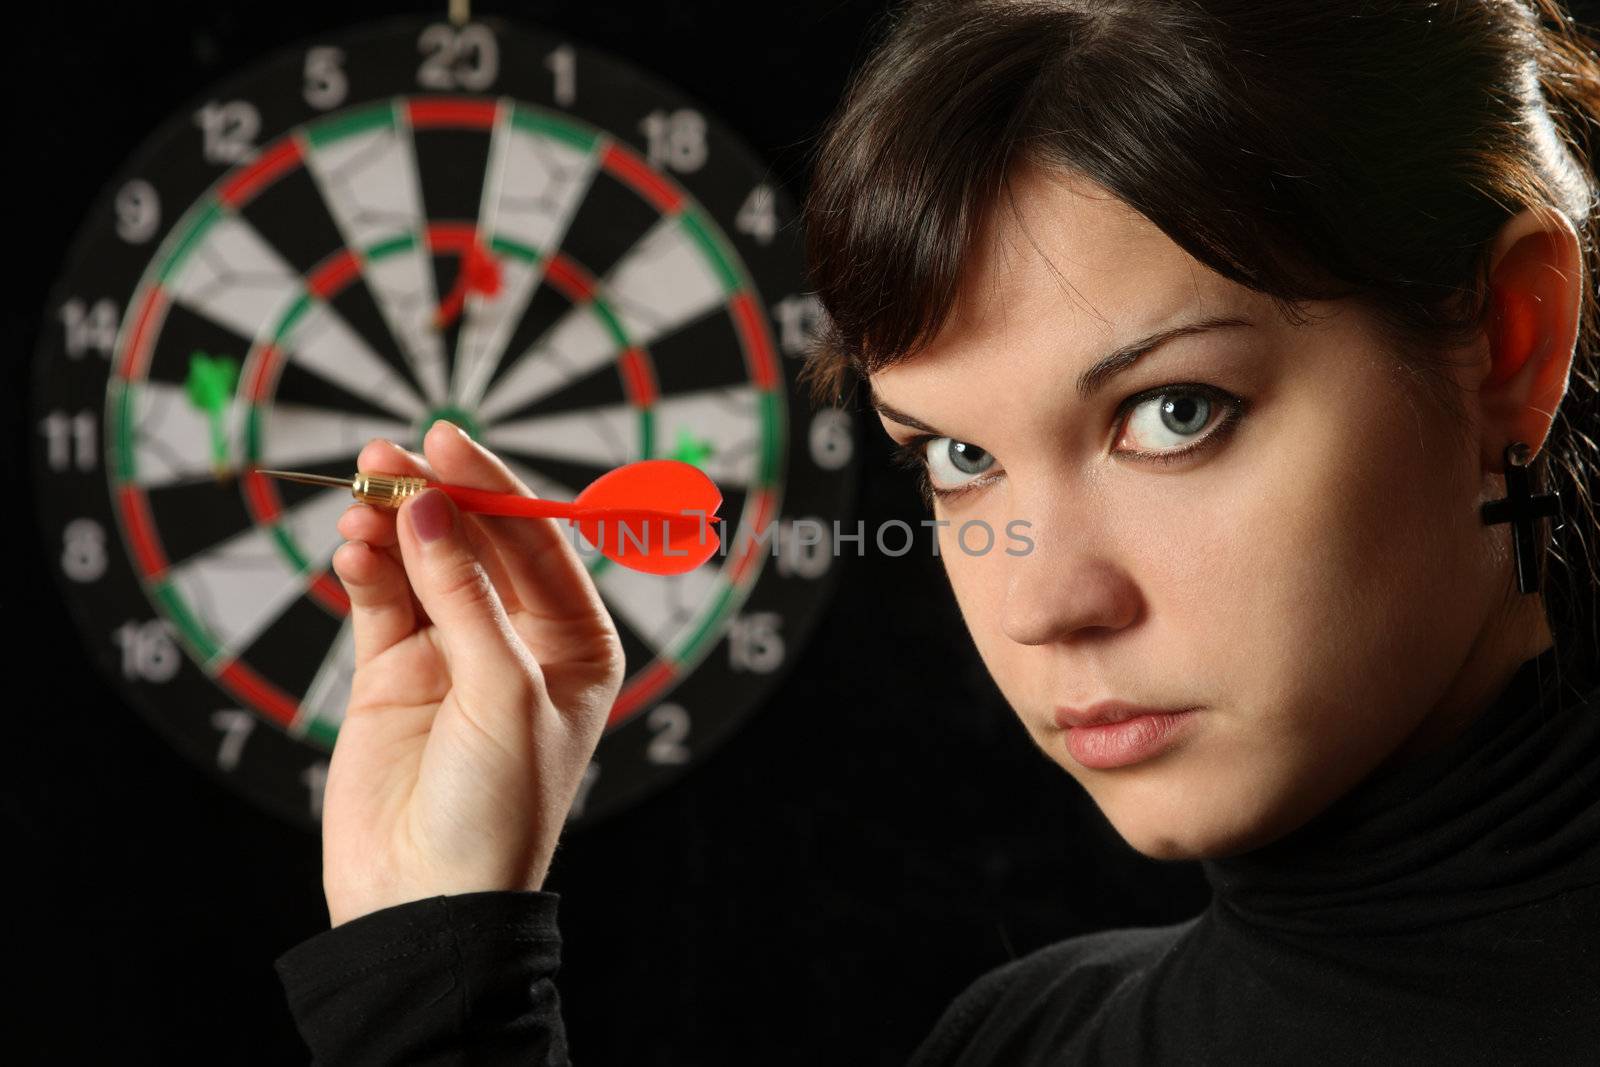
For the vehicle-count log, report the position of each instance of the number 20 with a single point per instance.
(467, 58)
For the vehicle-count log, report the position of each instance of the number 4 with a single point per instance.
(758, 216)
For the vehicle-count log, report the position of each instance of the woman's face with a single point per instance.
(1308, 569)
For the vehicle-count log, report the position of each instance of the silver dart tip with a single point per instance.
(309, 479)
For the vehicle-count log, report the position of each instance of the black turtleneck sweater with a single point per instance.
(1445, 910)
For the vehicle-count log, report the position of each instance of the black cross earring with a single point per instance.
(1521, 510)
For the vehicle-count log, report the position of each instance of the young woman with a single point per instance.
(1251, 311)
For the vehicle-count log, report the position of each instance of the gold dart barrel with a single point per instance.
(386, 490)
(379, 490)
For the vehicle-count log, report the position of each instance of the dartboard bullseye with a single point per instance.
(361, 236)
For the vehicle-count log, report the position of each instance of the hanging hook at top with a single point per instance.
(460, 12)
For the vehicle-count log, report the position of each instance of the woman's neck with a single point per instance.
(1499, 815)
(1510, 639)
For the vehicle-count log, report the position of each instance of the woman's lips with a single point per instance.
(1115, 734)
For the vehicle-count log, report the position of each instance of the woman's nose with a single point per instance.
(1065, 587)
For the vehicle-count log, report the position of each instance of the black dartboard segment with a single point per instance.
(355, 238)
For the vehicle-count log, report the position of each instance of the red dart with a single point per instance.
(654, 516)
(479, 274)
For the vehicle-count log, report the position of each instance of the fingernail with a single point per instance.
(431, 515)
(402, 449)
(446, 422)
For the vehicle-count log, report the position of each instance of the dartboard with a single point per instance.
(357, 237)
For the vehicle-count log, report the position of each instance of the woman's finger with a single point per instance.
(482, 650)
(387, 457)
(376, 526)
(363, 522)
(544, 568)
(381, 612)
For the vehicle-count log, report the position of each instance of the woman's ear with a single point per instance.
(1536, 285)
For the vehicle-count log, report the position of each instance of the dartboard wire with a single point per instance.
(426, 366)
(473, 370)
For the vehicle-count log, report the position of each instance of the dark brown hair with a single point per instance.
(1306, 149)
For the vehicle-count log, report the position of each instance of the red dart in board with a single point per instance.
(653, 516)
(480, 275)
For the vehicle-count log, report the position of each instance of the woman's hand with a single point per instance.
(485, 667)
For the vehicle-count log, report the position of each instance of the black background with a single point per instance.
(815, 891)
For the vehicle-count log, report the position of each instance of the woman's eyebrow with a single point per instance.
(1104, 369)
(1114, 363)
(899, 416)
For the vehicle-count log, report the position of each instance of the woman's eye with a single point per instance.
(1166, 425)
(951, 463)
(944, 467)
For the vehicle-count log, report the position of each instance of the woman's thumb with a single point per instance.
(454, 587)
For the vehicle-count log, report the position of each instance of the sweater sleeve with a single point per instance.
(460, 979)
